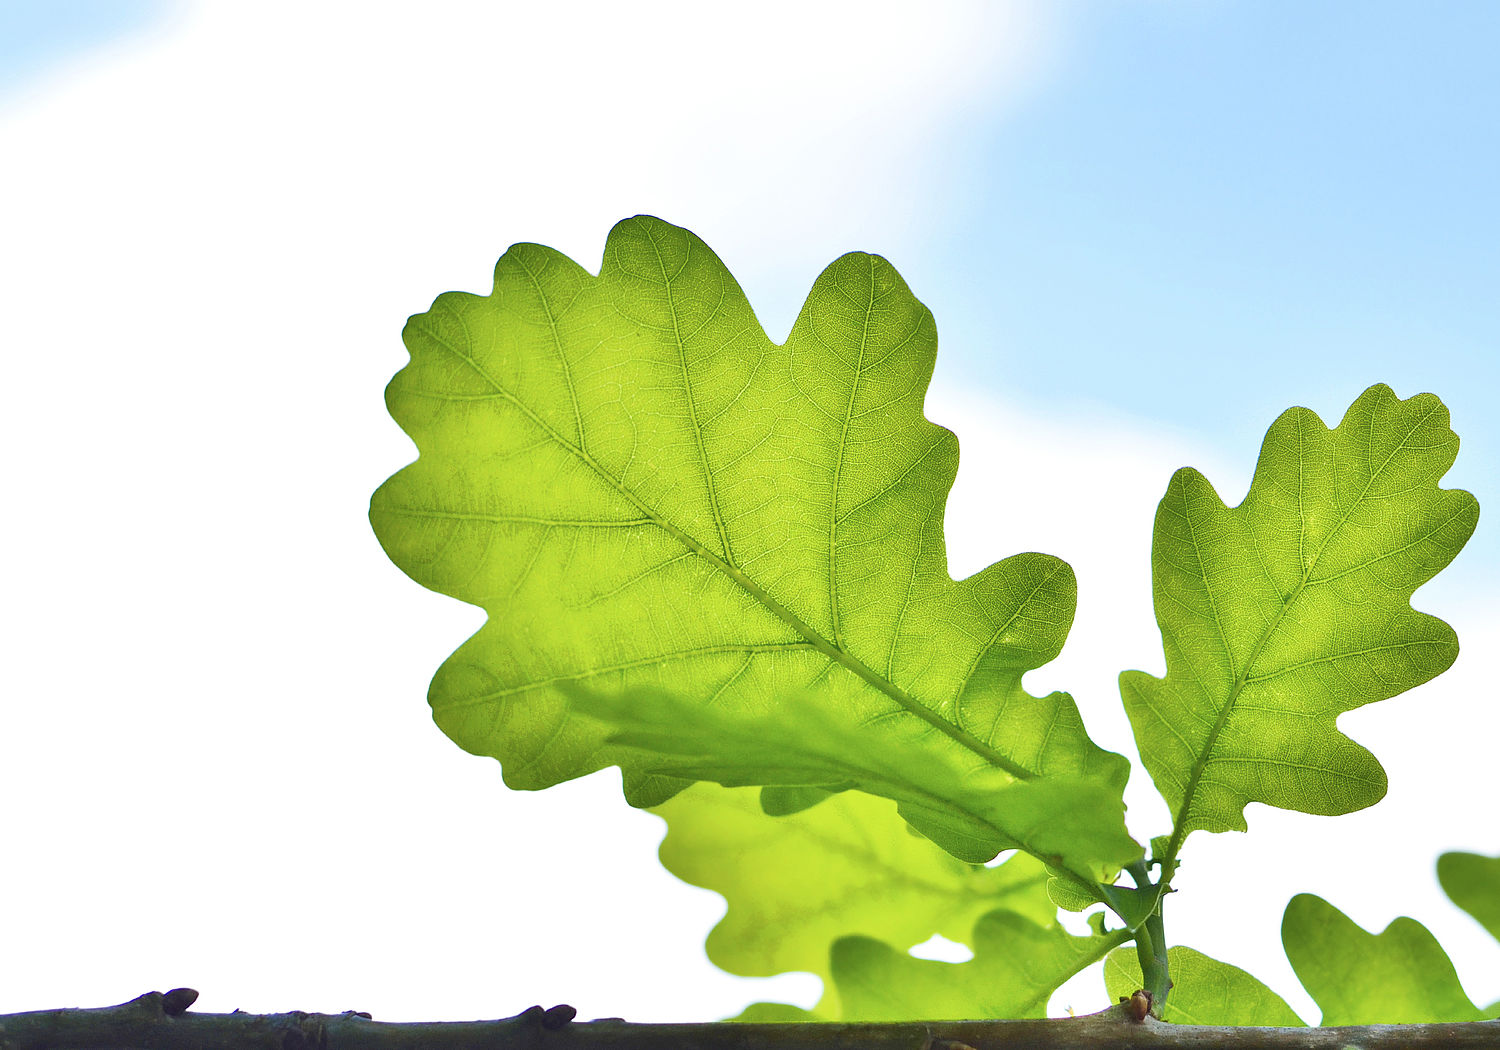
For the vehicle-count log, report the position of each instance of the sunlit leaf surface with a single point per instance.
(731, 552)
(1281, 613)
(1017, 965)
(1398, 976)
(849, 865)
(1204, 990)
(1472, 882)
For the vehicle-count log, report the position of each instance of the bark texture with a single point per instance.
(163, 1021)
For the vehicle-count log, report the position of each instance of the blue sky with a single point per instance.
(1145, 227)
(38, 34)
(1208, 213)
(1219, 210)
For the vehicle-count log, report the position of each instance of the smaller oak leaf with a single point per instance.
(1016, 967)
(1204, 991)
(1281, 613)
(1398, 976)
(1472, 882)
(849, 865)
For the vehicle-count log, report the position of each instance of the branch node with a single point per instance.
(558, 1016)
(175, 1003)
(1138, 1006)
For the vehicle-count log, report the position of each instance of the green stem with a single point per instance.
(1151, 944)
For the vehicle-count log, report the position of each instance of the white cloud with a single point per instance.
(369, 148)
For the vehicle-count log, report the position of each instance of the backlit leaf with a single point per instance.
(795, 884)
(1282, 613)
(1204, 990)
(1017, 965)
(1398, 976)
(972, 810)
(782, 801)
(1473, 883)
(702, 534)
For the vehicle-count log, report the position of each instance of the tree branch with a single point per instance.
(157, 1021)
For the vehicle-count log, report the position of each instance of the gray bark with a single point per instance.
(162, 1021)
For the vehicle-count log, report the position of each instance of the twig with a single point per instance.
(162, 1021)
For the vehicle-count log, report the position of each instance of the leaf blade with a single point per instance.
(649, 498)
(1205, 991)
(795, 884)
(971, 810)
(1017, 965)
(1398, 976)
(1472, 881)
(1281, 613)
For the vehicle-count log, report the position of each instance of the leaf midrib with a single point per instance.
(1242, 675)
(814, 637)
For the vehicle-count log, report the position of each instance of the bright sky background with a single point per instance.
(1145, 228)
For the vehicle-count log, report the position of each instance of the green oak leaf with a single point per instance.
(781, 801)
(970, 810)
(795, 884)
(1204, 990)
(1070, 895)
(1132, 904)
(666, 515)
(1282, 613)
(1017, 965)
(1398, 976)
(1472, 882)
